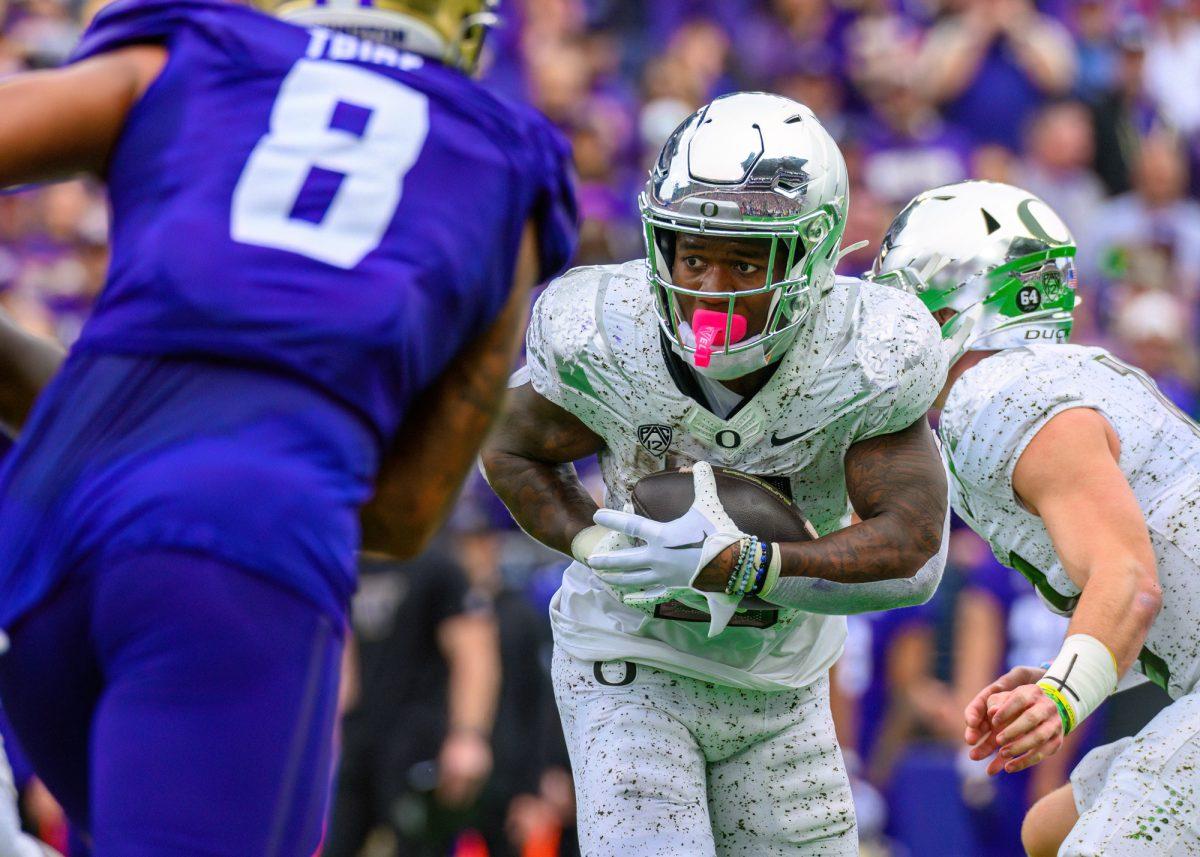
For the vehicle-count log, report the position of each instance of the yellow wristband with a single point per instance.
(1065, 710)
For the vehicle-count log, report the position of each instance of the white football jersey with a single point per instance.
(869, 362)
(993, 412)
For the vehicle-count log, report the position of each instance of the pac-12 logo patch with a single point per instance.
(655, 437)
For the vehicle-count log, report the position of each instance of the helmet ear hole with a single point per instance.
(665, 240)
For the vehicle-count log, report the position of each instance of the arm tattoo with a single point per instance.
(528, 463)
(898, 487)
(435, 447)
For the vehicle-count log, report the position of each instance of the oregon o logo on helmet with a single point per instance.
(728, 439)
(708, 209)
(1034, 224)
(1029, 299)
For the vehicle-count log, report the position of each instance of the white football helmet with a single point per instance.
(748, 165)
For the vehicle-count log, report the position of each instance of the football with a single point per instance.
(754, 504)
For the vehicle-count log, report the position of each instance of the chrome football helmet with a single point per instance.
(451, 31)
(995, 254)
(748, 166)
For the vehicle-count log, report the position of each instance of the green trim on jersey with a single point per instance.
(1064, 604)
(574, 375)
(1154, 668)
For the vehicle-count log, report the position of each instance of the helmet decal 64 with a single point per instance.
(995, 254)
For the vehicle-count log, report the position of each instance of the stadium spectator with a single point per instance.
(814, 84)
(1155, 218)
(907, 146)
(989, 63)
(1093, 24)
(1125, 112)
(786, 31)
(1059, 149)
(44, 32)
(1151, 332)
(1173, 60)
(526, 741)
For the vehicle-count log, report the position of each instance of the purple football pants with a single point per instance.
(176, 705)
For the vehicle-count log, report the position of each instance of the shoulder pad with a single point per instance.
(565, 313)
(569, 356)
(899, 348)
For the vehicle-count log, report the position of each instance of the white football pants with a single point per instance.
(1141, 795)
(669, 765)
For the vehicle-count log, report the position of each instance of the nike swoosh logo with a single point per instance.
(855, 402)
(776, 440)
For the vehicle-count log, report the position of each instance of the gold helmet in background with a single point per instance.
(448, 30)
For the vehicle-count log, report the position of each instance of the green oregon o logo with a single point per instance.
(1029, 220)
(728, 439)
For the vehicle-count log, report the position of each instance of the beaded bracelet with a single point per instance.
(746, 578)
(746, 570)
(764, 564)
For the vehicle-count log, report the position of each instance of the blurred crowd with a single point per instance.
(1092, 104)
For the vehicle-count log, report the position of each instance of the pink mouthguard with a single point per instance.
(709, 328)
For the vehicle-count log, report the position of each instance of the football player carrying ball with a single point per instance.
(695, 725)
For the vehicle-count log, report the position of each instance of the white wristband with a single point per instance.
(585, 541)
(1082, 676)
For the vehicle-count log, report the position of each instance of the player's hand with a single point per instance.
(1015, 720)
(976, 712)
(1026, 727)
(673, 553)
(464, 764)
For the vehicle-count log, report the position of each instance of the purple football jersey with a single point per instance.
(307, 228)
(307, 201)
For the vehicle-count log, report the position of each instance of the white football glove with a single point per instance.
(674, 553)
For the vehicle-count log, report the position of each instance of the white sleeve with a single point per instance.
(817, 595)
(989, 428)
(542, 352)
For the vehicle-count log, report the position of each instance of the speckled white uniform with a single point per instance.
(867, 364)
(669, 765)
(993, 412)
